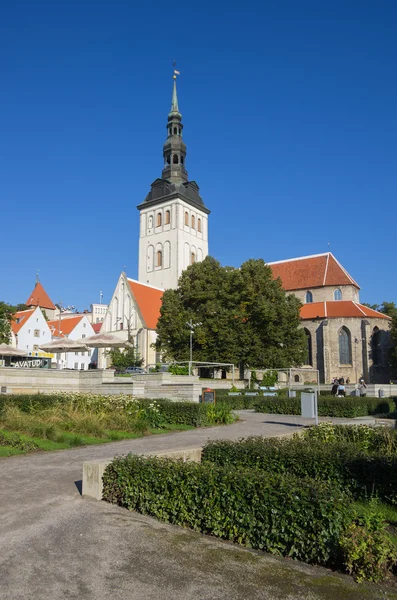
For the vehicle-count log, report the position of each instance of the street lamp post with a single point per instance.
(191, 326)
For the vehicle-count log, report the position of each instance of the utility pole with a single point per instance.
(191, 326)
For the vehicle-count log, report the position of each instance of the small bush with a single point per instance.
(278, 514)
(368, 551)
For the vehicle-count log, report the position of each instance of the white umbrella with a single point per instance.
(6, 350)
(64, 345)
(105, 340)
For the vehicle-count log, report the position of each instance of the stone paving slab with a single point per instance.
(55, 545)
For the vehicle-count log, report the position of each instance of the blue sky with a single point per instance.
(290, 124)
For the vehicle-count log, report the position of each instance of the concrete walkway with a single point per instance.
(55, 545)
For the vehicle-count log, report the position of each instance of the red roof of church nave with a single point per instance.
(310, 272)
(148, 299)
(67, 325)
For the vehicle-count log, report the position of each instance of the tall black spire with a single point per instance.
(174, 150)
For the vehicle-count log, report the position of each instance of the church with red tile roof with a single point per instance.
(344, 338)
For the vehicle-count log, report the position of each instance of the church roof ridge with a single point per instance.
(145, 284)
(285, 260)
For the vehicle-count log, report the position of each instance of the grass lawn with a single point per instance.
(71, 440)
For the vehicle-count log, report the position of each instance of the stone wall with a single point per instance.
(321, 294)
(325, 348)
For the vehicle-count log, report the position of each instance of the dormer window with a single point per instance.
(337, 294)
(309, 297)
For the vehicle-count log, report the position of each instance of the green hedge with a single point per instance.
(328, 406)
(279, 514)
(339, 462)
(191, 413)
(180, 413)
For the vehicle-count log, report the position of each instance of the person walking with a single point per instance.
(341, 387)
(362, 386)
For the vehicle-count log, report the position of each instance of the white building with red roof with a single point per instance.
(344, 338)
(29, 329)
(74, 327)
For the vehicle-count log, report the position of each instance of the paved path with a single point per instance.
(55, 545)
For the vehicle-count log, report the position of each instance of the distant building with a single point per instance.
(344, 338)
(98, 312)
(29, 330)
(39, 297)
(75, 328)
(132, 314)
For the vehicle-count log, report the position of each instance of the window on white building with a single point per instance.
(36, 333)
(35, 347)
(82, 366)
(76, 365)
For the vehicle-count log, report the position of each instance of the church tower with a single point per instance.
(173, 217)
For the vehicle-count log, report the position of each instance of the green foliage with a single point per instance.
(6, 312)
(246, 317)
(126, 358)
(179, 369)
(368, 551)
(14, 440)
(280, 515)
(269, 378)
(338, 462)
(328, 406)
(190, 413)
(382, 440)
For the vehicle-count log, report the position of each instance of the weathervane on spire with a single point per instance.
(175, 71)
(37, 275)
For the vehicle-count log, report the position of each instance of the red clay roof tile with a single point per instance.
(39, 297)
(67, 325)
(338, 309)
(20, 318)
(148, 299)
(311, 271)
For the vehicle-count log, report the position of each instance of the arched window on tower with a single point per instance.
(192, 258)
(309, 297)
(337, 294)
(168, 159)
(376, 346)
(167, 217)
(199, 225)
(181, 160)
(175, 159)
(170, 131)
(309, 355)
(158, 219)
(186, 218)
(345, 347)
(193, 222)
(159, 258)
(175, 131)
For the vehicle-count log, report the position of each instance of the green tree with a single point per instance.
(245, 317)
(6, 312)
(126, 358)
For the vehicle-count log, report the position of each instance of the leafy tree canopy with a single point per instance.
(245, 317)
(126, 358)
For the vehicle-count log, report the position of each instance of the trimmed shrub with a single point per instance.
(328, 406)
(338, 462)
(278, 514)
